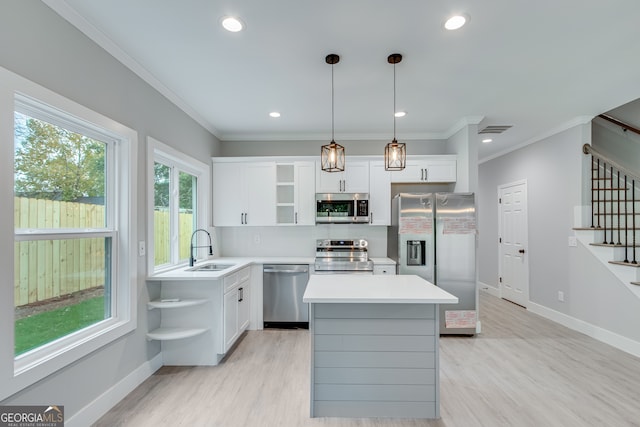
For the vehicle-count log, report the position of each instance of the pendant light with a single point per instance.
(332, 154)
(395, 153)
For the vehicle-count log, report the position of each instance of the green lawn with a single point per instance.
(41, 328)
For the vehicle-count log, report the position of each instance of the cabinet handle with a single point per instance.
(240, 294)
(295, 220)
(426, 174)
(241, 218)
(246, 221)
(421, 174)
(371, 218)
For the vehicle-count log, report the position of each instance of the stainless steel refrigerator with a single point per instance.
(433, 235)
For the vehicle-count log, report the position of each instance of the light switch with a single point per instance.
(142, 248)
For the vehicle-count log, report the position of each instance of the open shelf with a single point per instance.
(167, 334)
(175, 304)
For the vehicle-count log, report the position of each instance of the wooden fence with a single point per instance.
(46, 269)
(161, 236)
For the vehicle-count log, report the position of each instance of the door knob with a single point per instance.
(521, 251)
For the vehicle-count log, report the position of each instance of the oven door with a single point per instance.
(343, 267)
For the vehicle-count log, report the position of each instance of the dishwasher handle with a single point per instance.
(285, 269)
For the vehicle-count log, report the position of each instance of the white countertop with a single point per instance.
(183, 273)
(356, 288)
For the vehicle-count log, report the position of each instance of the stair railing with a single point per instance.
(612, 209)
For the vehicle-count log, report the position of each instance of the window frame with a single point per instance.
(176, 160)
(20, 94)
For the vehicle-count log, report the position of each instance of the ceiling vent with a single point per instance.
(494, 129)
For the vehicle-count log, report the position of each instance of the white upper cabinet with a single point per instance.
(435, 169)
(244, 193)
(379, 194)
(295, 189)
(354, 178)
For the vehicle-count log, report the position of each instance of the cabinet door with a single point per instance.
(379, 194)
(413, 172)
(230, 307)
(356, 177)
(228, 194)
(244, 305)
(305, 198)
(440, 171)
(426, 170)
(260, 193)
(328, 182)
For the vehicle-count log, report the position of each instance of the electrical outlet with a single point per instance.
(256, 239)
(573, 241)
(560, 296)
(142, 248)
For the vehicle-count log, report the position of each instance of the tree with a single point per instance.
(186, 187)
(54, 163)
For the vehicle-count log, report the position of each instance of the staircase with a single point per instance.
(614, 233)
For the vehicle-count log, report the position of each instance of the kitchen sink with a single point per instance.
(210, 267)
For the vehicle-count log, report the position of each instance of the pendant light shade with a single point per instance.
(332, 154)
(395, 156)
(395, 153)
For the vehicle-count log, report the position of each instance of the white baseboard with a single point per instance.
(492, 290)
(595, 332)
(100, 406)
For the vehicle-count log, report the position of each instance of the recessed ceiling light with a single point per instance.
(487, 140)
(400, 114)
(232, 24)
(274, 114)
(455, 22)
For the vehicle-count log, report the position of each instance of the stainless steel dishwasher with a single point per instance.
(283, 288)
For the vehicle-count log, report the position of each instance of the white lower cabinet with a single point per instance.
(236, 306)
(198, 321)
(231, 331)
(384, 269)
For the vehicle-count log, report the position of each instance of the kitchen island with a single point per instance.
(374, 345)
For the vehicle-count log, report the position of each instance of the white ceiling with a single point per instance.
(540, 66)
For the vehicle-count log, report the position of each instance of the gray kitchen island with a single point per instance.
(374, 345)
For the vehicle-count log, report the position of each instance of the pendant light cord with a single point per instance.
(394, 101)
(332, 107)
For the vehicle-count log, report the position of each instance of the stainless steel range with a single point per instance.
(342, 257)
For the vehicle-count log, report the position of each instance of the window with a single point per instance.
(180, 197)
(68, 181)
(63, 230)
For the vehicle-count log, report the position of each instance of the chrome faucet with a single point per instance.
(192, 260)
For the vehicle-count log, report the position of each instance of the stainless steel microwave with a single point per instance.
(346, 208)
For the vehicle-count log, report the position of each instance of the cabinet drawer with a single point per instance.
(384, 269)
(231, 281)
(234, 279)
(244, 274)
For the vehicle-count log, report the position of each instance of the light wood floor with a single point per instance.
(523, 370)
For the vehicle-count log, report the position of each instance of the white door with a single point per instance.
(514, 259)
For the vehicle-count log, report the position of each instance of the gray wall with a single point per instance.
(612, 141)
(44, 48)
(553, 169)
(312, 148)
